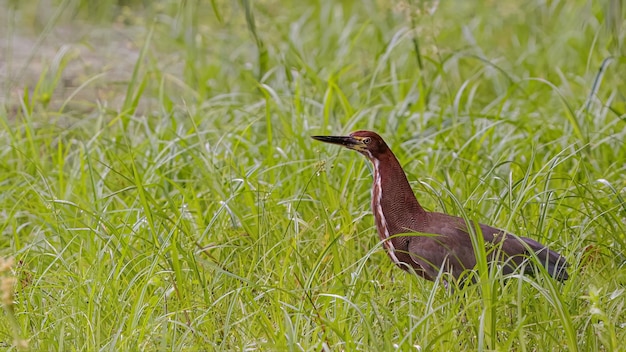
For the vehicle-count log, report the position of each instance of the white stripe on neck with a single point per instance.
(378, 211)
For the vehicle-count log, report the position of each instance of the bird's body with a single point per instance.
(429, 242)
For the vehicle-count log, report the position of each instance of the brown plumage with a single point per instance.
(442, 241)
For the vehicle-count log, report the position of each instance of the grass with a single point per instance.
(159, 189)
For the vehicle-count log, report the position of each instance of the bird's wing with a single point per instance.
(517, 250)
(446, 250)
(452, 248)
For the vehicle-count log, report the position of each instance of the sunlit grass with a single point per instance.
(172, 199)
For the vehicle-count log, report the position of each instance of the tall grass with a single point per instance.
(159, 190)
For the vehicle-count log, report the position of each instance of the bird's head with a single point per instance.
(367, 143)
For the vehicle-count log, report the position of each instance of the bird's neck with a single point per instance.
(394, 205)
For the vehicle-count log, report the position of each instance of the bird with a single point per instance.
(430, 243)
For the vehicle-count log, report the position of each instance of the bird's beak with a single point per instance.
(347, 141)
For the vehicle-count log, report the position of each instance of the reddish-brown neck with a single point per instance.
(394, 205)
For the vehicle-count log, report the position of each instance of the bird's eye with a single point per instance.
(367, 140)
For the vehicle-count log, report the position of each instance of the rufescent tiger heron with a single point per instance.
(430, 242)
